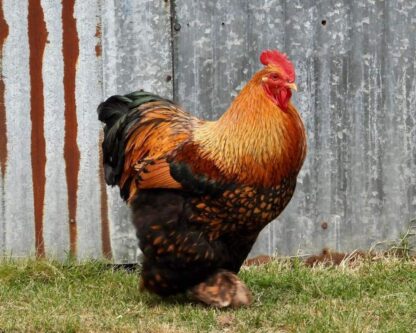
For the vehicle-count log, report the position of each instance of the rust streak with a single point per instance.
(105, 226)
(70, 50)
(98, 47)
(37, 41)
(4, 32)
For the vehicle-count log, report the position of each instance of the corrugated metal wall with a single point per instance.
(355, 63)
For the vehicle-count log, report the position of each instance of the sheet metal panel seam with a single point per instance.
(4, 32)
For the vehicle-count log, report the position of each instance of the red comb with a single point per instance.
(274, 57)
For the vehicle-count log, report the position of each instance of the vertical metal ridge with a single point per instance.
(172, 47)
(37, 41)
(98, 46)
(105, 223)
(70, 50)
(4, 32)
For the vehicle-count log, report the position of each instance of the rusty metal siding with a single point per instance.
(17, 192)
(88, 96)
(136, 52)
(355, 64)
(55, 230)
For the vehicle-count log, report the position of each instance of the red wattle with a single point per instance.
(283, 97)
(279, 95)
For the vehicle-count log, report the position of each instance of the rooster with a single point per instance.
(201, 191)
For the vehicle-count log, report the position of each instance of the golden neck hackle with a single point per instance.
(254, 137)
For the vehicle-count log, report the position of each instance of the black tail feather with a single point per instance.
(112, 109)
(117, 114)
(113, 113)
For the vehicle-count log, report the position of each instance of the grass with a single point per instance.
(372, 296)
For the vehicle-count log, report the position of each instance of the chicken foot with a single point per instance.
(222, 289)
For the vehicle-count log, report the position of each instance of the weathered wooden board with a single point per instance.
(355, 65)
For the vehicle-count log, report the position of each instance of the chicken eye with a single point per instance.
(274, 77)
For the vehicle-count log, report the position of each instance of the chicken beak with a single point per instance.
(292, 86)
(264, 78)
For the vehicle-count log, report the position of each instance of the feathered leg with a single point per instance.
(222, 289)
(179, 258)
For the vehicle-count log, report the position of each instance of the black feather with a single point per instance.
(196, 183)
(120, 113)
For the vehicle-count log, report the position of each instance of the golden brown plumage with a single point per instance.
(201, 191)
(162, 127)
